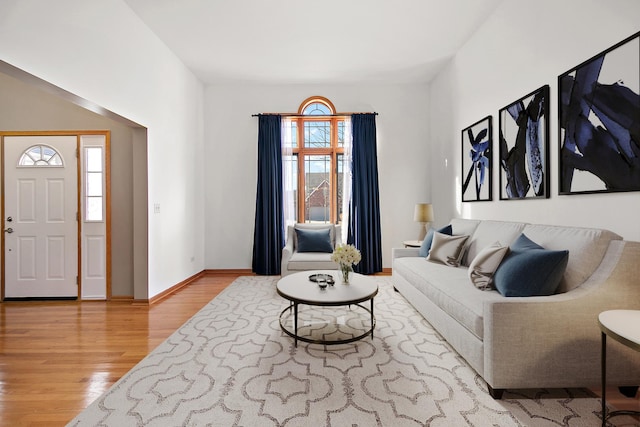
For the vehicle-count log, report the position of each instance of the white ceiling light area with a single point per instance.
(308, 42)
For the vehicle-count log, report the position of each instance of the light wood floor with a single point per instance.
(58, 357)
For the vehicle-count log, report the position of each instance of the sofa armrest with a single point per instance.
(554, 341)
(287, 252)
(404, 252)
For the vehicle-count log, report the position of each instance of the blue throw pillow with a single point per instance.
(313, 240)
(530, 270)
(425, 247)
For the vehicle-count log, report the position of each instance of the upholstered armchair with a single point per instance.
(309, 247)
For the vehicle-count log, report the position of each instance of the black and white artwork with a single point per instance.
(599, 122)
(524, 147)
(476, 161)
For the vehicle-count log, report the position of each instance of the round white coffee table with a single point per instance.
(622, 326)
(299, 289)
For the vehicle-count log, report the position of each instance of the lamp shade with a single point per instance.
(423, 212)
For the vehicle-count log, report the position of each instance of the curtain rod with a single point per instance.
(309, 115)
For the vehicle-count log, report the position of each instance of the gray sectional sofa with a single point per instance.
(538, 341)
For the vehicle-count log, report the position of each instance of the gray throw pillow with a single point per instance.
(485, 264)
(428, 239)
(447, 249)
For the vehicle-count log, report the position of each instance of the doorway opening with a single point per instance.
(56, 215)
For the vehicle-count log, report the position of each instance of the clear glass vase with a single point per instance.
(345, 270)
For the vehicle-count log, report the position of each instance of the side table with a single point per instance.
(622, 326)
(412, 243)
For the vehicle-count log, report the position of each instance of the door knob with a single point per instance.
(9, 230)
(9, 219)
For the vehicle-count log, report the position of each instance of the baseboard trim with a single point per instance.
(175, 288)
(121, 298)
(229, 272)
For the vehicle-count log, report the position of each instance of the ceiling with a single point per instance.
(314, 42)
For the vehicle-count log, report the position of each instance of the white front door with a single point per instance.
(40, 206)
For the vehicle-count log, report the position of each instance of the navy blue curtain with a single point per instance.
(364, 213)
(268, 234)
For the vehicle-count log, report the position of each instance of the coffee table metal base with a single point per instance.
(297, 337)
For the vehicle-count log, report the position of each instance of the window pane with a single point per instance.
(290, 166)
(339, 182)
(94, 159)
(94, 184)
(317, 189)
(341, 133)
(47, 153)
(317, 134)
(94, 176)
(40, 155)
(94, 209)
(290, 135)
(316, 109)
(294, 134)
(55, 160)
(26, 160)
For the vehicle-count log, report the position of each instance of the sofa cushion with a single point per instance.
(586, 247)
(428, 239)
(310, 240)
(530, 270)
(485, 264)
(311, 261)
(448, 288)
(488, 232)
(447, 249)
(463, 227)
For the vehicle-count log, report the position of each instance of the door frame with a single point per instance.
(107, 176)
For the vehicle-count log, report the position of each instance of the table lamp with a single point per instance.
(423, 214)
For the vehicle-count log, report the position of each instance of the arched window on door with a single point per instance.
(40, 155)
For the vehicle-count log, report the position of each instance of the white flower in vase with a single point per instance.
(346, 256)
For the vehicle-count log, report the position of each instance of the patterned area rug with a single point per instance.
(232, 365)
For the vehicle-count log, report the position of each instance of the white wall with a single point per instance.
(231, 158)
(521, 47)
(103, 53)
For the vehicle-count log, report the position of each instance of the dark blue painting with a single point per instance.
(476, 161)
(524, 147)
(599, 122)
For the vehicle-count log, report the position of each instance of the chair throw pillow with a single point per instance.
(312, 240)
(447, 249)
(485, 264)
(428, 239)
(530, 270)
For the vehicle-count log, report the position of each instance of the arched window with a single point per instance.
(317, 155)
(317, 107)
(41, 156)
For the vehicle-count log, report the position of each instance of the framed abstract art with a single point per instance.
(476, 161)
(524, 147)
(599, 122)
